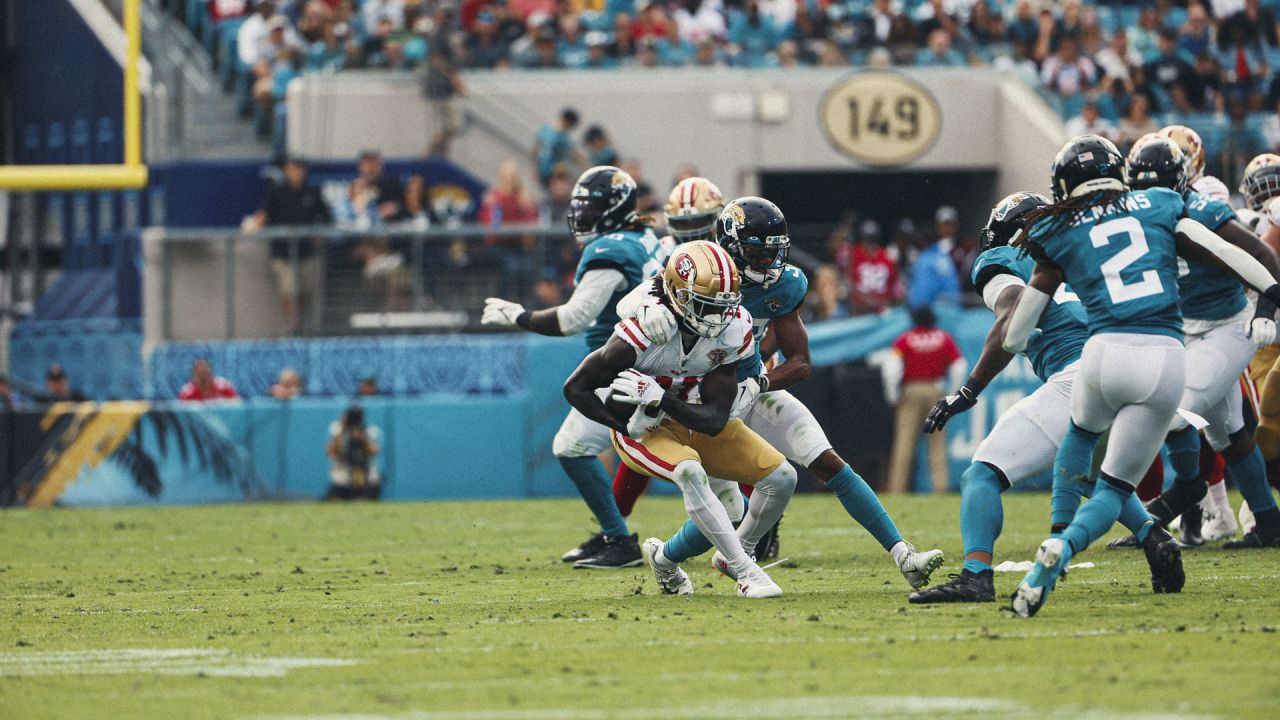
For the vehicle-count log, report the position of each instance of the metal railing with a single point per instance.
(222, 283)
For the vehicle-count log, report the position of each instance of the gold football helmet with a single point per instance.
(1261, 180)
(703, 286)
(1192, 147)
(692, 209)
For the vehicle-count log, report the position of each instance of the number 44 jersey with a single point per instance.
(1121, 259)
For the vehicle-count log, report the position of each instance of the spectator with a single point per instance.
(1025, 26)
(752, 36)
(1135, 123)
(293, 202)
(1067, 72)
(826, 296)
(902, 41)
(1170, 70)
(352, 450)
(554, 145)
(508, 203)
(571, 48)
(205, 386)
(920, 359)
(1090, 122)
(288, 385)
(939, 52)
(376, 12)
(1144, 39)
(444, 91)
(708, 54)
(673, 50)
(699, 20)
(385, 273)
(58, 387)
(1118, 61)
(600, 150)
(1195, 37)
(873, 274)
(485, 47)
(598, 57)
(329, 53)
(1204, 87)
(1244, 55)
(385, 192)
(368, 386)
(933, 275)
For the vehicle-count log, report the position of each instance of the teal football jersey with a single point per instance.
(1208, 293)
(1121, 260)
(637, 255)
(766, 302)
(1064, 327)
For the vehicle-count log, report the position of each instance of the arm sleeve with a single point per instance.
(1024, 319)
(589, 298)
(891, 374)
(1241, 262)
(996, 286)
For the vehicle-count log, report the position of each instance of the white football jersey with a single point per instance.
(674, 368)
(1212, 187)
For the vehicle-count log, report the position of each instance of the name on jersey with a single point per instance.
(1127, 204)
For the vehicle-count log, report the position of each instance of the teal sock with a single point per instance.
(860, 501)
(596, 489)
(981, 512)
(1250, 475)
(686, 543)
(1184, 454)
(1098, 515)
(1134, 516)
(1073, 462)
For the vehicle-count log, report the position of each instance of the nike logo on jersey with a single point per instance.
(600, 250)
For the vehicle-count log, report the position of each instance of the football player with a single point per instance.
(619, 251)
(667, 435)
(754, 232)
(1222, 333)
(1025, 440)
(1118, 250)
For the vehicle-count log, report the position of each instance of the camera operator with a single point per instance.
(352, 447)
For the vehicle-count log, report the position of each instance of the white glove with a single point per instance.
(636, 388)
(502, 313)
(748, 391)
(641, 422)
(1262, 331)
(657, 322)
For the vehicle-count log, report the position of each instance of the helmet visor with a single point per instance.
(691, 227)
(763, 258)
(583, 217)
(1262, 185)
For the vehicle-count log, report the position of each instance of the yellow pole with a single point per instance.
(132, 102)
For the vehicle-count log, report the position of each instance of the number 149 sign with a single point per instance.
(881, 118)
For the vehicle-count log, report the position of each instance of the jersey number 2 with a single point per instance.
(1130, 229)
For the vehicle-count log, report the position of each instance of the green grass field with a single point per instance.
(462, 610)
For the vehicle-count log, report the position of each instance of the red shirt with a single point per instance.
(926, 354)
(221, 389)
(873, 277)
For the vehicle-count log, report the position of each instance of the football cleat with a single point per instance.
(1265, 534)
(1126, 542)
(1190, 527)
(1033, 591)
(916, 567)
(672, 580)
(1164, 557)
(756, 583)
(590, 548)
(618, 552)
(1219, 524)
(721, 565)
(967, 587)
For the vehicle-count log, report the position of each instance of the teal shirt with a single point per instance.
(1121, 260)
(766, 302)
(1208, 292)
(637, 255)
(1064, 327)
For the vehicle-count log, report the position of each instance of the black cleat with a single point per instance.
(967, 587)
(1255, 538)
(618, 552)
(767, 548)
(1189, 534)
(590, 548)
(1128, 541)
(1164, 557)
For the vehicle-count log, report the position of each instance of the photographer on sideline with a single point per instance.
(352, 446)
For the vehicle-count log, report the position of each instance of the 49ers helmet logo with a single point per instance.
(685, 268)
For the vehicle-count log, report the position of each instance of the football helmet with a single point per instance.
(1156, 161)
(1006, 221)
(1192, 147)
(1261, 180)
(603, 200)
(1086, 164)
(754, 232)
(703, 287)
(692, 209)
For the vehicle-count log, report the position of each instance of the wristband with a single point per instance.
(972, 388)
(523, 319)
(1265, 309)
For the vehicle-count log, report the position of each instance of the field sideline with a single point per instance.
(462, 611)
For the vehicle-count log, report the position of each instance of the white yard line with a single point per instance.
(171, 661)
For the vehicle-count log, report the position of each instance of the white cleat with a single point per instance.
(1218, 524)
(722, 566)
(1246, 518)
(1034, 589)
(916, 567)
(671, 579)
(756, 583)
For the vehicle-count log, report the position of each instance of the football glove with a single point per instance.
(656, 321)
(636, 388)
(1262, 331)
(502, 313)
(642, 422)
(953, 404)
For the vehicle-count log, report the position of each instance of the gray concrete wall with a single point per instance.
(669, 117)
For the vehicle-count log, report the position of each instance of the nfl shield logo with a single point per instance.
(717, 356)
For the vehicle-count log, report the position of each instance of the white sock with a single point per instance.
(900, 551)
(709, 515)
(1218, 496)
(768, 501)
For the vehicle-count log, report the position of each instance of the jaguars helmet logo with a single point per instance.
(717, 356)
(733, 218)
(685, 268)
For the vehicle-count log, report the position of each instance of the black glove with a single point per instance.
(954, 404)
